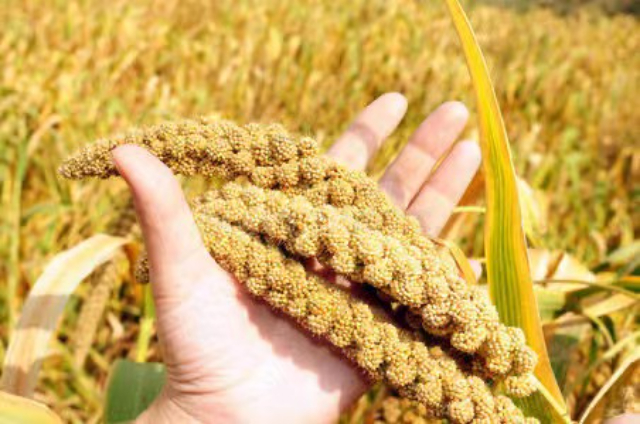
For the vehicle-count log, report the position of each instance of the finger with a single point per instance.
(476, 267)
(432, 139)
(436, 200)
(170, 233)
(365, 135)
(627, 418)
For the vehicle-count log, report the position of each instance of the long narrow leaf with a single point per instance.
(627, 365)
(131, 389)
(19, 410)
(43, 308)
(508, 271)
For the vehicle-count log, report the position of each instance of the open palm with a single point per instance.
(229, 357)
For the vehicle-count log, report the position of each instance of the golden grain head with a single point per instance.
(295, 202)
(419, 278)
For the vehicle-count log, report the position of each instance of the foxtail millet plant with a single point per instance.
(396, 410)
(412, 271)
(409, 275)
(416, 367)
(316, 208)
(102, 281)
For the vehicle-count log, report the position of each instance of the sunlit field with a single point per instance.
(568, 83)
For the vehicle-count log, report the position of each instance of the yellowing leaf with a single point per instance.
(550, 303)
(629, 363)
(461, 260)
(44, 306)
(557, 265)
(508, 272)
(542, 263)
(19, 410)
(569, 268)
(609, 305)
(533, 204)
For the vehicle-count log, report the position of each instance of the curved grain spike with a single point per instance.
(205, 146)
(417, 368)
(351, 210)
(417, 278)
(102, 281)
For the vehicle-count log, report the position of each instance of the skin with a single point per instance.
(229, 358)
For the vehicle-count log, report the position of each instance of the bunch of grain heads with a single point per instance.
(283, 203)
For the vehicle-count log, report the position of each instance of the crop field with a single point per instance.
(568, 82)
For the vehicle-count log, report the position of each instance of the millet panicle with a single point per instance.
(314, 207)
(416, 367)
(404, 272)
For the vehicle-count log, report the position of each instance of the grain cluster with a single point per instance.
(283, 203)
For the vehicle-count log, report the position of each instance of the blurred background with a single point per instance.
(567, 75)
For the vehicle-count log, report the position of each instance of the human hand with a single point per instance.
(229, 358)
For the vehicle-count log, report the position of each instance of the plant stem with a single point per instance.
(146, 325)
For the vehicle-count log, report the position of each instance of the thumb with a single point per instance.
(169, 230)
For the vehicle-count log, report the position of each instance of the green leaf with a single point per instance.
(550, 303)
(131, 389)
(19, 410)
(508, 272)
(146, 324)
